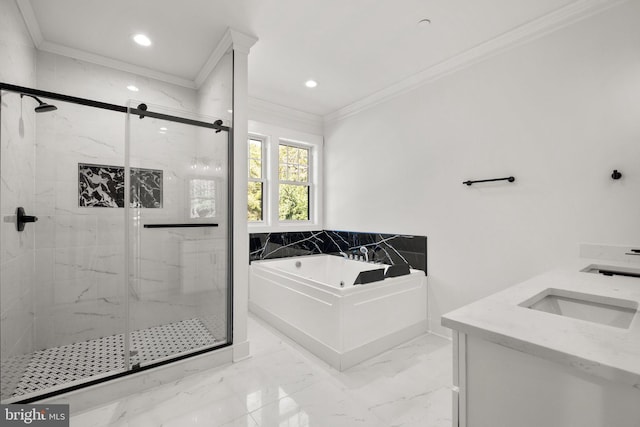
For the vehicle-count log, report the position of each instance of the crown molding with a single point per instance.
(525, 33)
(310, 121)
(223, 47)
(241, 42)
(29, 17)
(232, 39)
(115, 64)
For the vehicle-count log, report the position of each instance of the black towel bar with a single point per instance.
(509, 178)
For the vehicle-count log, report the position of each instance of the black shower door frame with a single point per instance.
(143, 112)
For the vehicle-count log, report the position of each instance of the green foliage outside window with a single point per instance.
(293, 172)
(294, 203)
(255, 201)
(293, 188)
(254, 196)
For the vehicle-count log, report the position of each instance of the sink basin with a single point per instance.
(591, 308)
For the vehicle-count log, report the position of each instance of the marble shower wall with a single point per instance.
(384, 248)
(79, 250)
(17, 141)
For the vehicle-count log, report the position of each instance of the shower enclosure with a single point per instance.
(116, 248)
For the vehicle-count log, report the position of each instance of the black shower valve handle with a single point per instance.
(22, 219)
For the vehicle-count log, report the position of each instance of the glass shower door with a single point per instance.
(178, 248)
(61, 276)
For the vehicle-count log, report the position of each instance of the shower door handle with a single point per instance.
(187, 225)
(22, 219)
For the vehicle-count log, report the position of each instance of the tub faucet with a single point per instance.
(344, 255)
(365, 251)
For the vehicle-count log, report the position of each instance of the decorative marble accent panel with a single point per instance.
(100, 186)
(146, 188)
(385, 248)
(103, 186)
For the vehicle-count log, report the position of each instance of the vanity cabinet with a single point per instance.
(496, 386)
(559, 350)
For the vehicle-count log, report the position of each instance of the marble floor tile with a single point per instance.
(271, 377)
(429, 409)
(319, 405)
(282, 385)
(401, 374)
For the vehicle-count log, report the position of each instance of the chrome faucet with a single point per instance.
(344, 255)
(365, 251)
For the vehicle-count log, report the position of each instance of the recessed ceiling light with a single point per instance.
(229, 111)
(133, 88)
(311, 83)
(163, 128)
(142, 40)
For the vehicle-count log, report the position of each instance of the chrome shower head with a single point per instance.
(43, 107)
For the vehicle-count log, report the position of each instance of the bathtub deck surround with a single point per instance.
(314, 301)
(388, 249)
(568, 341)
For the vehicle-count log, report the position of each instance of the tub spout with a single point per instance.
(344, 255)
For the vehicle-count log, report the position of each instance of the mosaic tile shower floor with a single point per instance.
(59, 365)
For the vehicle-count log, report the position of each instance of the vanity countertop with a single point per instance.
(609, 352)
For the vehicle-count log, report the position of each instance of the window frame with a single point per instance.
(308, 183)
(272, 136)
(263, 173)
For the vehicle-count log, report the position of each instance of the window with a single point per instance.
(256, 180)
(284, 179)
(202, 195)
(293, 183)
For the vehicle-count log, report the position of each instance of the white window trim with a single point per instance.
(271, 137)
(263, 174)
(309, 183)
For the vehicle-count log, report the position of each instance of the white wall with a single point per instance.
(559, 113)
(17, 139)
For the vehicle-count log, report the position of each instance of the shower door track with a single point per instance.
(144, 113)
(111, 107)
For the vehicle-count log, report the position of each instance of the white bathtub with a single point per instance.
(303, 298)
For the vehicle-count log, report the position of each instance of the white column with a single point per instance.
(241, 44)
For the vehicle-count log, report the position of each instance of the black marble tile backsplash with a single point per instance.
(393, 249)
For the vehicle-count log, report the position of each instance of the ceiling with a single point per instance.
(353, 48)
